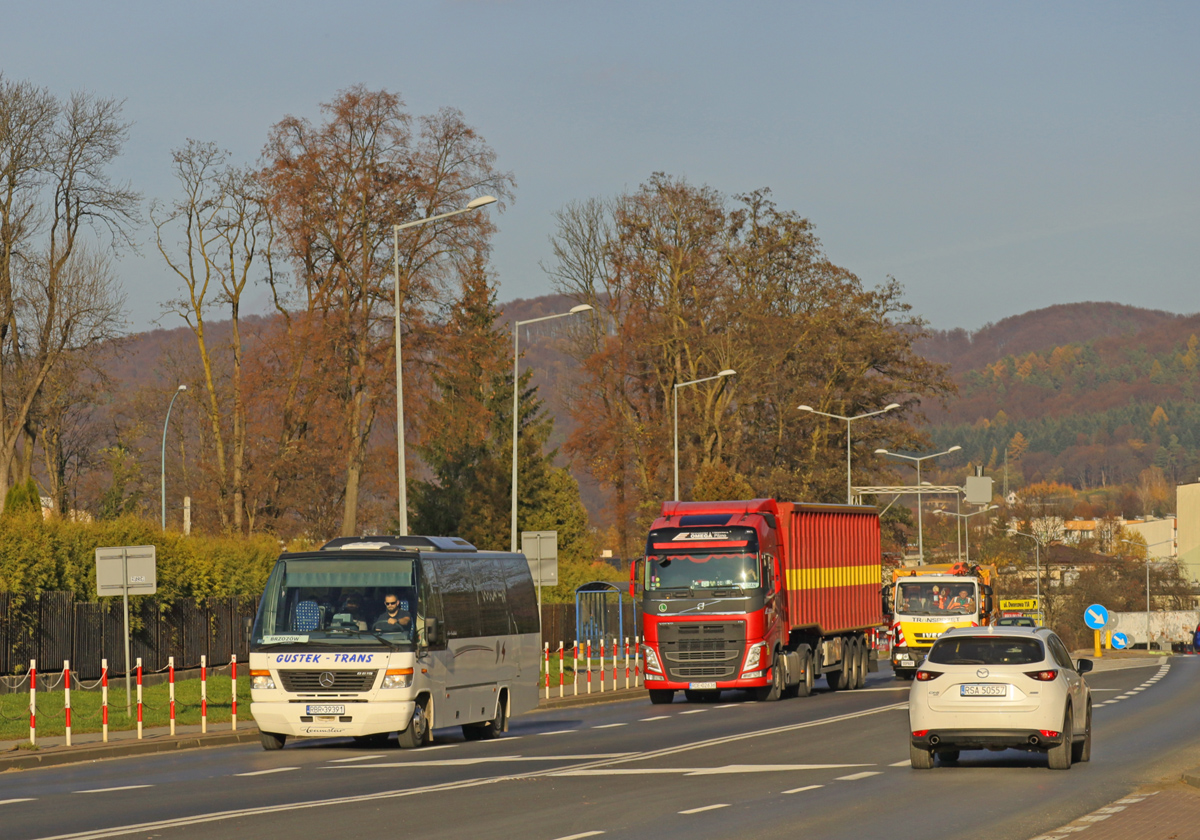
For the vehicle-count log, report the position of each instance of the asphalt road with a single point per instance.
(834, 765)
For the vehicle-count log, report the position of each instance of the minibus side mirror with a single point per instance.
(431, 630)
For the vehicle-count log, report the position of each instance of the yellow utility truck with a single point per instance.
(926, 601)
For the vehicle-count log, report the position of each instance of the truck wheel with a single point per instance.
(659, 696)
(1082, 750)
(853, 665)
(271, 741)
(1060, 756)
(417, 732)
(920, 759)
(772, 692)
(864, 663)
(805, 686)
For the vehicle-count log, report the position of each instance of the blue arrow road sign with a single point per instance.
(1096, 616)
(1120, 641)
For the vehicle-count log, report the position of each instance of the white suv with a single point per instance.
(1000, 688)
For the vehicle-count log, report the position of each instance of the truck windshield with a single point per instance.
(338, 601)
(918, 598)
(702, 570)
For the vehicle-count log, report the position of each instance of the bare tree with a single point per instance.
(57, 294)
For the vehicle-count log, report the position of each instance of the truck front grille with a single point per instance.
(701, 649)
(336, 682)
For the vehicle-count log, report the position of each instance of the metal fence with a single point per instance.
(52, 627)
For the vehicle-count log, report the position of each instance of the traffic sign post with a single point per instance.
(1096, 617)
(541, 552)
(119, 571)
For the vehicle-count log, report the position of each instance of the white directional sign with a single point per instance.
(1096, 616)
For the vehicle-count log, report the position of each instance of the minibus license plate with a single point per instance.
(695, 685)
(983, 690)
(325, 709)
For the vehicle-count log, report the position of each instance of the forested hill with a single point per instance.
(1090, 394)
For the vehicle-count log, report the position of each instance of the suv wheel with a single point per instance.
(919, 758)
(1060, 756)
(1082, 750)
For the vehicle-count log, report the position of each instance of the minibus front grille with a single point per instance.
(334, 682)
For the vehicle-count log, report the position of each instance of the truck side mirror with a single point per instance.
(633, 575)
(885, 601)
(988, 598)
(431, 630)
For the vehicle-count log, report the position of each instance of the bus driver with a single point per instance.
(396, 618)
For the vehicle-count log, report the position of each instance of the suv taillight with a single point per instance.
(1043, 676)
(926, 676)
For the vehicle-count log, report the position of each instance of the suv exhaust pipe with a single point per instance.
(934, 740)
(1033, 740)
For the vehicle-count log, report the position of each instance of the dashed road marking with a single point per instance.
(114, 789)
(656, 717)
(727, 706)
(693, 711)
(14, 801)
(266, 772)
(854, 777)
(808, 787)
(581, 836)
(903, 763)
(354, 758)
(705, 808)
(609, 725)
(558, 732)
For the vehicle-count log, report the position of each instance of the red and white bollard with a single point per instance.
(627, 662)
(637, 660)
(104, 700)
(614, 653)
(547, 661)
(561, 677)
(589, 666)
(139, 697)
(233, 684)
(601, 664)
(33, 702)
(203, 694)
(171, 689)
(67, 699)
(575, 668)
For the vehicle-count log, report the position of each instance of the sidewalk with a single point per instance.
(1149, 813)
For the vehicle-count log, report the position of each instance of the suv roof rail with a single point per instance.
(376, 543)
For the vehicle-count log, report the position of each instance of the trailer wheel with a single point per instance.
(864, 662)
(660, 696)
(853, 664)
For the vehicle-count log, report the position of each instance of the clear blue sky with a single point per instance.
(994, 158)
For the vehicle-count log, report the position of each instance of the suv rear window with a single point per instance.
(987, 650)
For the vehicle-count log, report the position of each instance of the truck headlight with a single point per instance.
(397, 678)
(754, 657)
(261, 679)
(652, 663)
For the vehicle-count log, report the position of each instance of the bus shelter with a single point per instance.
(600, 612)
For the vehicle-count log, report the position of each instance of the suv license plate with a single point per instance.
(694, 685)
(983, 690)
(325, 709)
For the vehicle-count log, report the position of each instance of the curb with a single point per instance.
(25, 760)
(1192, 777)
(592, 699)
(1100, 665)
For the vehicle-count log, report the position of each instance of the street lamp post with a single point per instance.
(1148, 558)
(163, 461)
(811, 410)
(1037, 561)
(583, 307)
(966, 522)
(675, 400)
(475, 204)
(917, 459)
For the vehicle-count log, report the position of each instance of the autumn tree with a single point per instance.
(336, 190)
(61, 215)
(686, 283)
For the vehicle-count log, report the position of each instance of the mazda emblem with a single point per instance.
(982, 672)
(326, 679)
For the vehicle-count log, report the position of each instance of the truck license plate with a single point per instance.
(324, 709)
(983, 690)
(694, 685)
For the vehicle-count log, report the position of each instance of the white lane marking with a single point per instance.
(13, 801)
(355, 758)
(373, 798)
(705, 771)
(728, 706)
(113, 789)
(1130, 800)
(854, 777)
(656, 717)
(1124, 696)
(808, 787)
(1096, 690)
(693, 712)
(705, 808)
(580, 836)
(892, 688)
(609, 725)
(1109, 702)
(490, 759)
(903, 763)
(558, 732)
(267, 772)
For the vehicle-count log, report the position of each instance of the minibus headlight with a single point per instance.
(261, 680)
(398, 678)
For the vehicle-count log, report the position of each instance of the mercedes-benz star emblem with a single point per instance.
(326, 679)
(982, 672)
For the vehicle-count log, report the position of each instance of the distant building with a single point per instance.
(1187, 507)
(1159, 534)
